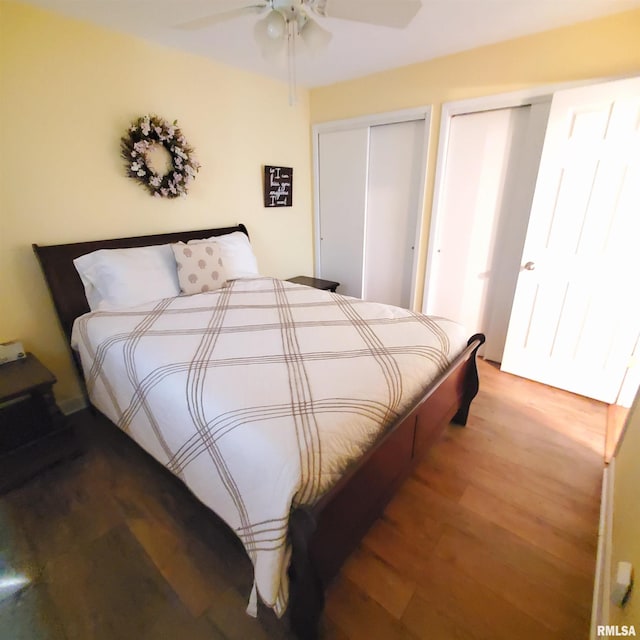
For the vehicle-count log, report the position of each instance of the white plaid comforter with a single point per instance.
(259, 395)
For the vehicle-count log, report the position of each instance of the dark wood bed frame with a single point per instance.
(322, 536)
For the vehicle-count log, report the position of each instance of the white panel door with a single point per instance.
(576, 310)
(396, 163)
(342, 185)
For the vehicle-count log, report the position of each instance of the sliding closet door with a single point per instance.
(488, 182)
(342, 197)
(369, 199)
(396, 153)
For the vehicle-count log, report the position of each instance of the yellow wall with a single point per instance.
(597, 49)
(68, 90)
(626, 516)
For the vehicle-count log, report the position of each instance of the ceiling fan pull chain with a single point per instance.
(291, 60)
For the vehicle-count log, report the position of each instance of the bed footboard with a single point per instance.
(323, 536)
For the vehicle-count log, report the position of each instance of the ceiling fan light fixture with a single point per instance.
(314, 36)
(266, 34)
(288, 20)
(275, 25)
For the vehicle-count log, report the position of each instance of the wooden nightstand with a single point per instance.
(317, 283)
(33, 432)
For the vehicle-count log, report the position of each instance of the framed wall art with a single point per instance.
(278, 186)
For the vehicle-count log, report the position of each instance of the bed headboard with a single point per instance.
(64, 282)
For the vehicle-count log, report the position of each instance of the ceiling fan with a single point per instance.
(285, 21)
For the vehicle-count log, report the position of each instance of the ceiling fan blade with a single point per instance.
(387, 13)
(222, 16)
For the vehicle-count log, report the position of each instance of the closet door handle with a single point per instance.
(529, 266)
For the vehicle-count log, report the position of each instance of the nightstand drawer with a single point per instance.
(23, 420)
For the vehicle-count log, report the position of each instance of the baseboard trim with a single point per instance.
(72, 405)
(602, 584)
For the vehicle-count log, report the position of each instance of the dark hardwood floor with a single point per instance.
(493, 537)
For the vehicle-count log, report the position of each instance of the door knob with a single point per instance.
(529, 266)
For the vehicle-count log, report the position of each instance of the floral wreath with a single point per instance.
(147, 132)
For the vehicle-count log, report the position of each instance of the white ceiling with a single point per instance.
(441, 27)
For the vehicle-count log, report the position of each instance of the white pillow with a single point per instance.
(236, 253)
(200, 267)
(115, 278)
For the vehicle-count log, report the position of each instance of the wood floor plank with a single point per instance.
(57, 508)
(473, 558)
(383, 583)
(417, 498)
(556, 504)
(548, 415)
(30, 616)
(616, 418)
(398, 550)
(110, 590)
(560, 467)
(540, 427)
(546, 568)
(178, 532)
(180, 569)
(482, 612)
(361, 617)
(426, 620)
(541, 567)
(450, 481)
(535, 531)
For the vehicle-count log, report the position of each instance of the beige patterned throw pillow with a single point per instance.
(200, 267)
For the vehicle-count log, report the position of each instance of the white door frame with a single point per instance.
(521, 98)
(390, 117)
